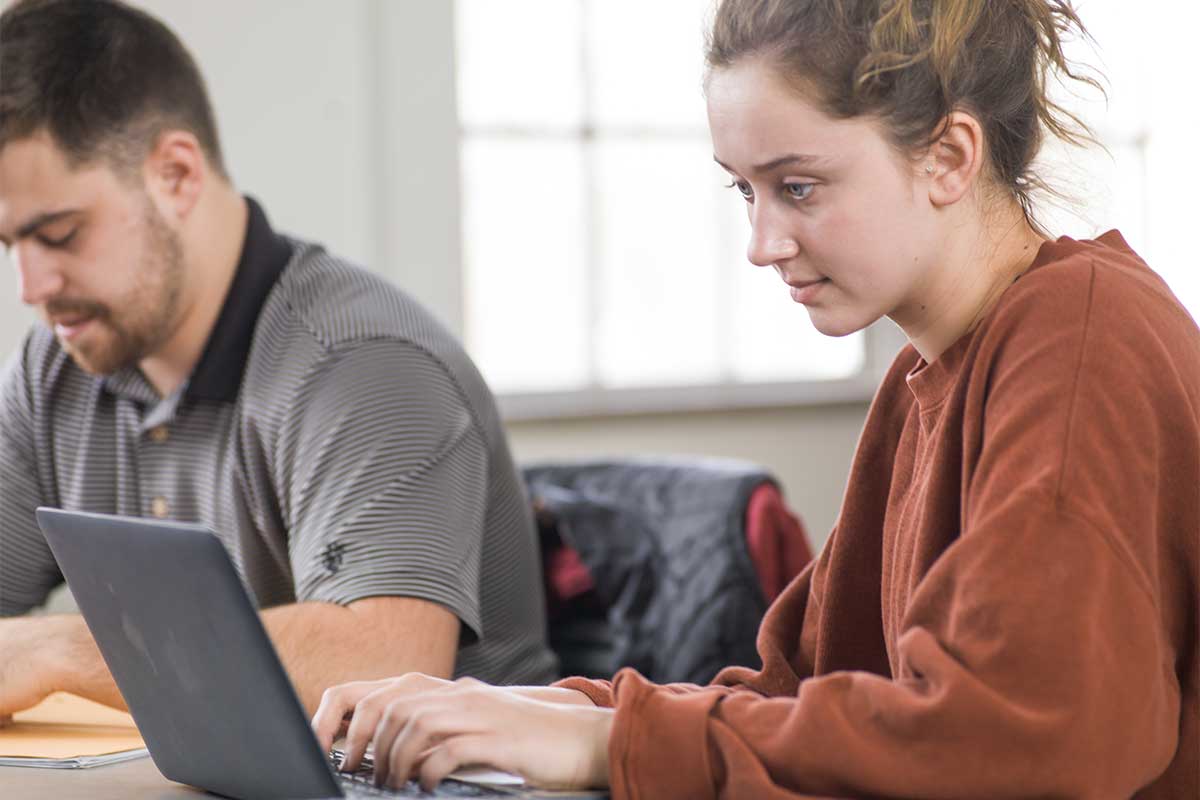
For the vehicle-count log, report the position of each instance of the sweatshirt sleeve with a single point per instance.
(784, 662)
(1032, 658)
(992, 699)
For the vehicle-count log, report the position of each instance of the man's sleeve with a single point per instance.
(384, 483)
(28, 570)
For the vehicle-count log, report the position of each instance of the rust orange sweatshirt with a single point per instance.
(1008, 604)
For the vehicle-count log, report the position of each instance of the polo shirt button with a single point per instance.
(159, 507)
(160, 434)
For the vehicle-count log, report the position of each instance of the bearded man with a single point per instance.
(192, 364)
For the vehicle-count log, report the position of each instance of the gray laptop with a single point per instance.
(189, 653)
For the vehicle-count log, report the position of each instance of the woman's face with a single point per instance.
(842, 217)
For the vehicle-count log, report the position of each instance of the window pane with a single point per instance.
(647, 62)
(658, 293)
(1102, 191)
(1172, 159)
(1171, 210)
(1117, 28)
(519, 63)
(1146, 189)
(523, 247)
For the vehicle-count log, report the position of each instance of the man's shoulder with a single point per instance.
(339, 303)
(325, 310)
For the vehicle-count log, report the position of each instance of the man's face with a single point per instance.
(93, 255)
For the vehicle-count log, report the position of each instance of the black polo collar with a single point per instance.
(218, 375)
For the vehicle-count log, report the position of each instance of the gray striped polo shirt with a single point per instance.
(333, 434)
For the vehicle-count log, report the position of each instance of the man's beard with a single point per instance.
(148, 310)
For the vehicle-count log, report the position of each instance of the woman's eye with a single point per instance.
(798, 191)
(742, 187)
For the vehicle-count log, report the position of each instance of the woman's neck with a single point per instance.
(978, 264)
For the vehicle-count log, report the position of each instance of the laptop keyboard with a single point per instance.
(361, 784)
(355, 786)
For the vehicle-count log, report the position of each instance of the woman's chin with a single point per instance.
(836, 325)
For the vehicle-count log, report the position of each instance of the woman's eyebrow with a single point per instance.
(789, 159)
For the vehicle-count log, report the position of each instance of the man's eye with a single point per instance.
(798, 191)
(61, 241)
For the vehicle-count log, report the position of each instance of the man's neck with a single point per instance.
(212, 248)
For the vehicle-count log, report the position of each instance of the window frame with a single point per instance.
(881, 342)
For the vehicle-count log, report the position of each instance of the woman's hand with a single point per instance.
(366, 700)
(427, 727)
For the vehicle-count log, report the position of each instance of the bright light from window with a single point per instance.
(602, 250)
(1144, 186)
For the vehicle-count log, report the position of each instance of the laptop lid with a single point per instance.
(189, 653)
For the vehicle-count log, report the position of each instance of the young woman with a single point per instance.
(1008, 604)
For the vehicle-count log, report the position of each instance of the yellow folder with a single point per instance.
(66, 731)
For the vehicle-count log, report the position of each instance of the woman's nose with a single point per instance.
(769, 241)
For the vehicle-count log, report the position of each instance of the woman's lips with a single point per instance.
(804, 291)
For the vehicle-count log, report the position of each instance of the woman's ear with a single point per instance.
(954, 161)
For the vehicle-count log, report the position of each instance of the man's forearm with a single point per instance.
(320, 644)
(53, 654)
(323, 645)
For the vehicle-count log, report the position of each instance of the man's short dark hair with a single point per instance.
(103, 79)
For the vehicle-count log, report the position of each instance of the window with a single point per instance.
(588, 174)
(605, 263)
(1144, 185)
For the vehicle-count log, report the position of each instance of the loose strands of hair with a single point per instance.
(941, 33)
(910, 63)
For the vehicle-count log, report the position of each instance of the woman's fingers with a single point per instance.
(361, 731)
(435, 764)
(435, 731)
(336, 703)
(413, 726)
(370, 707)
(391, 724)
(339, 702)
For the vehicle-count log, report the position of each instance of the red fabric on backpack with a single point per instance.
(776, 540)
